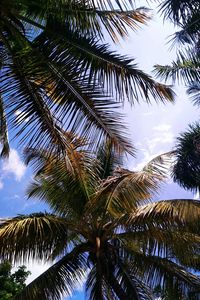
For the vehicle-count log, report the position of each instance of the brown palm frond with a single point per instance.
(124, 191)
(31, 237)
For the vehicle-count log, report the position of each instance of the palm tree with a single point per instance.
(104, 228)
(186, 15)
(186, 68)
(57, 72)
(186, 171)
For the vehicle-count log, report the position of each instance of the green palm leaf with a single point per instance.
(194, 91)
(178, 11)
(187, 160)
(102, 65)
(88, 18)
(49, 79)
(185, 68)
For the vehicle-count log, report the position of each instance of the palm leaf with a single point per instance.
(188, 35)
(79, 108)
(31, 237)
(116, 22)
(164, 240)
(179, 10)
(52, 88)
(60, 279)
(65, 189)
(133, 287)
(107, 159)
(166, 266)
(35, 109)
(159, 166)
(88, 17)
(95, 284)
(156, 270)
(184, 211)
(125, 189)
(185, 68)
(187, 160)
(194, 91)
(102, 281)
(102, 65)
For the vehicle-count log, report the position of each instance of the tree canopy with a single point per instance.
(13, 283)
(103, 228)
(58, 73)
(185, 14)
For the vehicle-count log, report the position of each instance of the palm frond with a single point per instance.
(179, 10)
(32, 108)
(117, 22)
(68, 202)
(103, 281)
(65, 189)
(182, 212)
(167, 266)
(76, 160)
(60, 279)
(185, 68)
(133, 287)
(84, 110)
(159, 234)
(164, 240)
(80, 109)
(188, 34)
(31, 237)
(194, 91)
(159, 166)
(156, 270)
(95, 284)
(125, 190)
(102, 65)
(108, 160)
(86, 17)
(187, 159)
(49, 78)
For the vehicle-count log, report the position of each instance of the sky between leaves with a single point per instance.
(153, 130)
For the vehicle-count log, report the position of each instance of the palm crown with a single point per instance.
(104, 229)
(57, 73)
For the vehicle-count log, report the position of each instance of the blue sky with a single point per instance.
(153, 129)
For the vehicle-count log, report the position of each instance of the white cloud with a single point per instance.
(160, 142)
(162, 127)
(146, 158)
(162, 135)
(14, 165)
